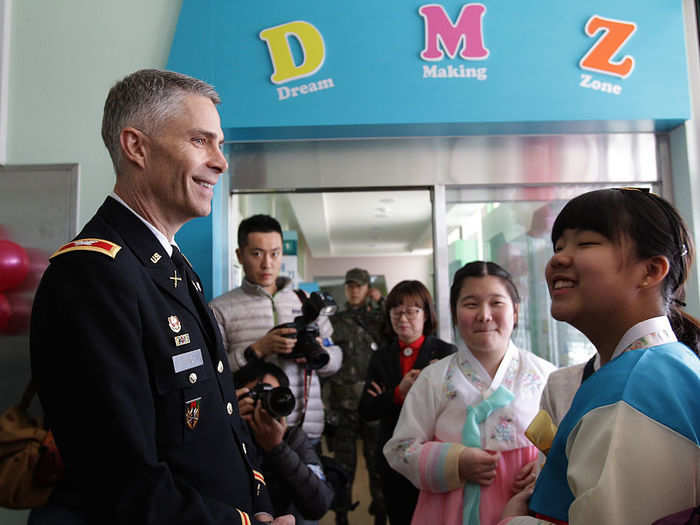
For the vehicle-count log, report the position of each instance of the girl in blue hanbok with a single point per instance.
(627, 451)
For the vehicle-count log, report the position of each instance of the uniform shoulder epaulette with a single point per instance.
(90, 245)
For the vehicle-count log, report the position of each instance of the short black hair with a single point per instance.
(647, 219)
(655, 227)
(411, 290)
(256, 370)
(257, 224)
(481, 269)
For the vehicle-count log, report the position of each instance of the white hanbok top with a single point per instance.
(428, 437)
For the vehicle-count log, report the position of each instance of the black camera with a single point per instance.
(318, 304)
(278, 401)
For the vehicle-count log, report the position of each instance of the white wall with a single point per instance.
(394, 269)
(64, 57)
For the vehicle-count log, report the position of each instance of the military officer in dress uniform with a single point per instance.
(129, 363)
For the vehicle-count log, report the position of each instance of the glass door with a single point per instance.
(511, 226)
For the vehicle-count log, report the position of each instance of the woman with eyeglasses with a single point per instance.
(460, 437)
(410, 323)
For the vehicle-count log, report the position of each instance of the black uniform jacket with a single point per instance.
(385, 370)
(134, 381)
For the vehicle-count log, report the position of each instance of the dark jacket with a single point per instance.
(145, 437)
(385, 370)
(292, 471)
(400, 496)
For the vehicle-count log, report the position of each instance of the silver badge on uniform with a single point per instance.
(373, 346)
(187, 361)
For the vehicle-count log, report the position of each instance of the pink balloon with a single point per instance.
(20, 313)
(5, 312)
(38, 262)
(14, 265)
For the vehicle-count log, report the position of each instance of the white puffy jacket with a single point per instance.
(247, 313)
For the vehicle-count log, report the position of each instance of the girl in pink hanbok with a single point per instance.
(460, 436)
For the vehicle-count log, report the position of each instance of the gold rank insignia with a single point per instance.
(156, 257)
(192, 412)
(89, 245)
(174, 323)
(182, 339)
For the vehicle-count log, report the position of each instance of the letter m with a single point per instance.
(467, 33)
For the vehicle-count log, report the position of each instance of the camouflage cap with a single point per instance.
(357, 275)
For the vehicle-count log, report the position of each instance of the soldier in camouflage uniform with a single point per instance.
(358, 331)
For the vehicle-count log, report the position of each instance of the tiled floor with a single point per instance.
(360, 492)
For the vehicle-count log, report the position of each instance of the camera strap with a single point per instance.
(307, 373)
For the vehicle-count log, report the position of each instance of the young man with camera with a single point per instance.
(249, 319)
(293, 473)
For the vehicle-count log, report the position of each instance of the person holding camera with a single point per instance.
(292, 468)
(249, 318)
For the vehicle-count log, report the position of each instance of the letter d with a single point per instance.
(311, 42)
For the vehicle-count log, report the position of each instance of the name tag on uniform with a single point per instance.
(192, 359)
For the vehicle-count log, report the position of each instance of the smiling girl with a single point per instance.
(460, 436)
(627, 450)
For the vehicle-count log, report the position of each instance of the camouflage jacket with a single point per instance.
(358, 332)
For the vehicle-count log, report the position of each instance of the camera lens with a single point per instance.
(278, 401)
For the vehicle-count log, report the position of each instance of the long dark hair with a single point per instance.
(656, 229)
(480, 269)
(410, 289)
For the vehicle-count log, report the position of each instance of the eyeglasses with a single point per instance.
(410, 313)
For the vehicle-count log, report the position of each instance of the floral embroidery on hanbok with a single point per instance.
(651, 339)
(471, 374)
(512, 372)
(406, 448)
(530, 384)
(449, 388)
(504, 430)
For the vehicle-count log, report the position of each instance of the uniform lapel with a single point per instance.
(148, 250)
(207, 317)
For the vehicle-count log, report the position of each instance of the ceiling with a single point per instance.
(367, 223)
